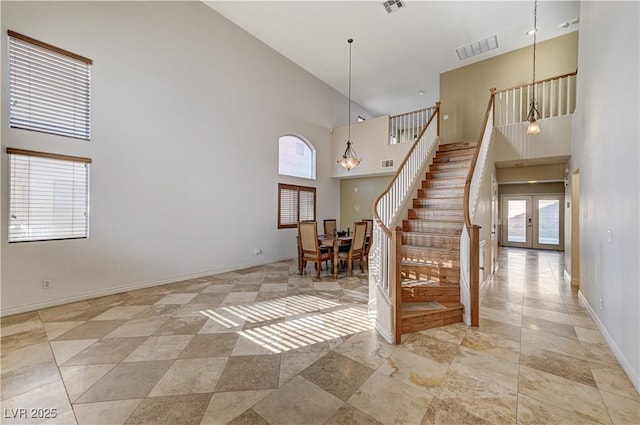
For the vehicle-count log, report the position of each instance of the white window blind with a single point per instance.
(49, 88)
(295, 203)
(48, 196)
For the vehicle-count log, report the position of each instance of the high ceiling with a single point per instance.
(398, 55)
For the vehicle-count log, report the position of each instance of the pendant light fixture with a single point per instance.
(534, 115)
(349, 159)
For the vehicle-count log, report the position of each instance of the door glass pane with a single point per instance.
(549, 221)
(517, 221)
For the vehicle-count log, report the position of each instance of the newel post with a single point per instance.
(493, 105)
(474, 273)
(438, 123)
(396, 281)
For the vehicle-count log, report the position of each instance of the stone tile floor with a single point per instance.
(268, 346)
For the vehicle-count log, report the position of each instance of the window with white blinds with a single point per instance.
(295, 203)
(48, 196)
(49, 88)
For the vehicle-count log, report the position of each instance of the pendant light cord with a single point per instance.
(349, 136)
(535, 33)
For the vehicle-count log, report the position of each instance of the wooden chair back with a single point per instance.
(308, 236)
(359, 236)
(329, 226)
(369, 239)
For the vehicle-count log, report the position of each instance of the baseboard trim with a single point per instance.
(132, 287)
(635, 379)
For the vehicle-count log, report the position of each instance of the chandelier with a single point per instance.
(349, 159)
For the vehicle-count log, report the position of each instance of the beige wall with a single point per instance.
(532, 172)
(357, 197)
(530, 189)
(464, 92)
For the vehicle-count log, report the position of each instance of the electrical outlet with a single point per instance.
(46, 284)
(257, 251)
(601, 304)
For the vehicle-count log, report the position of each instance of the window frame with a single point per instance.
(49, 88)
(64, 170)
(291, 187)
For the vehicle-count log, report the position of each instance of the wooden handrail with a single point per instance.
(472, 167)
(412, 112)
(571, 74)
(376, 216)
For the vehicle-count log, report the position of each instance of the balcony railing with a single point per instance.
(555, 96)
(405, 128)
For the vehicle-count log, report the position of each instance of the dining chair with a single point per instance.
(356, 250)
(329, 226)
(310, 246)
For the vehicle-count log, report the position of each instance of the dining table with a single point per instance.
(335, 242)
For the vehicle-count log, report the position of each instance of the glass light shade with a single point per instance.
(349, 162)
(534, 127)
(349, 158)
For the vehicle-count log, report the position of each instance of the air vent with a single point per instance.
(477, 48)
(393, 5)
(387, 163)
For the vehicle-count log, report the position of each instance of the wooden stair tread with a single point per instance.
(414, 283)
(410, 263)
(427, 308)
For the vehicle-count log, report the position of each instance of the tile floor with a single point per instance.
(268, 346)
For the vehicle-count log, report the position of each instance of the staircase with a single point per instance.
(430, 265)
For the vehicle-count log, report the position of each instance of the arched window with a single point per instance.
(296, 157)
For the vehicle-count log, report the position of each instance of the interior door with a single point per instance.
(517, 221)
(533, 221)
(548, 222)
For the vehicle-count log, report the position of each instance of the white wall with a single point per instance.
(187, 109)
(513, 143)
(606, 151)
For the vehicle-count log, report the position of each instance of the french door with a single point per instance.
(533, 221)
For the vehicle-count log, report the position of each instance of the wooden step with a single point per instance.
(425, 272)
(451, 183)
(438, 203)
(448, 158)
(455, 146)
(441, 193)
(448, 174)
(422, 291)
(437, 257)
(428, 213)
(430, 239)
(450, 165)
(455, 152)
(433, 226)
(420, 316)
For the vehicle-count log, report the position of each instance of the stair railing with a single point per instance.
(406, 127)
(385, 256)
(556, 96)
(470, 240)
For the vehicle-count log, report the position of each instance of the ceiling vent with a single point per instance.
(393, 5)
(387, 163)
(477, 48)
